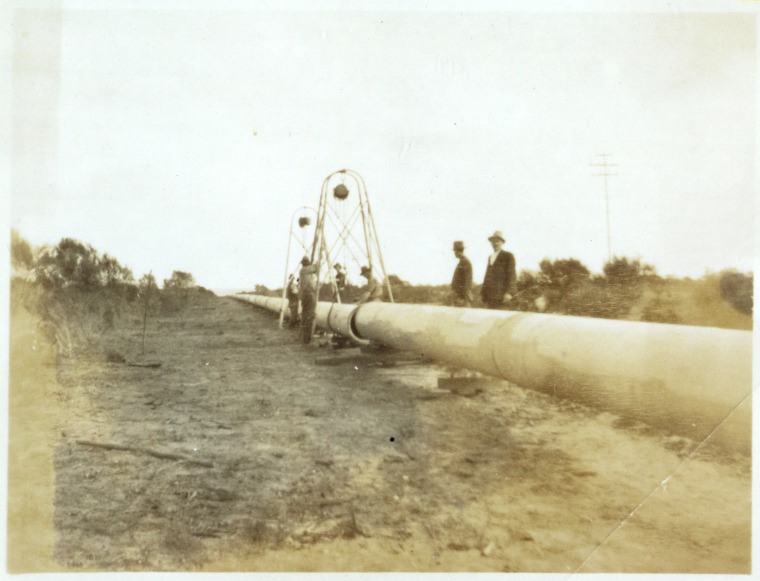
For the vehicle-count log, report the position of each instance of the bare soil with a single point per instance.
(356, 467)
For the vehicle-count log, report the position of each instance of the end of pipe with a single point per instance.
(354, 331)
(349, 329)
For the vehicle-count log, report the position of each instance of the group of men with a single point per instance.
(500, 282)
(304, 292)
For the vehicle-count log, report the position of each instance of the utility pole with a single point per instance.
(147, 302)
(605, 165)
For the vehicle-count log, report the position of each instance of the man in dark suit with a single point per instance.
(500, 283)
(461, 283)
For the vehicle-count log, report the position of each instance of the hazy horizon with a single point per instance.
(232, 289)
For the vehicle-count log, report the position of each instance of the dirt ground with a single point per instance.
(356, 467)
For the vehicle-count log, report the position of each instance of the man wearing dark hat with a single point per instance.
(372, 292)
(500, 283)
(340, 281)
(292, 296)
(461, 284)
(307, 292)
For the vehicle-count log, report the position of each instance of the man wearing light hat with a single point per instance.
(373, 292)
(500, 283)
(461, 283)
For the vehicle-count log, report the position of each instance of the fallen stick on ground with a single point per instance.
(150, 365)
(163, 455)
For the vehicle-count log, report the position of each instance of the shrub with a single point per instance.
(176, 292)
(78, 292)
(736, 289)
(22, 255)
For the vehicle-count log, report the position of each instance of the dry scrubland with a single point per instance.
(627, 289)
(241, 454)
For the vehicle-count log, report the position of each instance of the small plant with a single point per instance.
(176, 292)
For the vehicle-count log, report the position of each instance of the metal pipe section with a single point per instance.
(333, 317)
(682, 378)
(270, 303)
(339, 318)
(685, 379)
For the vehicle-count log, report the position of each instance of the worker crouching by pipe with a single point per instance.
(372, 291)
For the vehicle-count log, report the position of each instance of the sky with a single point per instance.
(186, 139)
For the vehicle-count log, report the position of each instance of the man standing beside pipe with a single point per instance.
(461, 283)
(500, 283)
(340, 281)
(292, 296)
(307, 292)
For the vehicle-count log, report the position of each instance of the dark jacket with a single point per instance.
(500, 278)
(307, 281)
(461, 284)
(292, 291)
(340, 280)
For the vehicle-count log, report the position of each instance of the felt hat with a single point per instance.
(458, 246)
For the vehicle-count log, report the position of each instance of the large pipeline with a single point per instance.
(683, 378)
